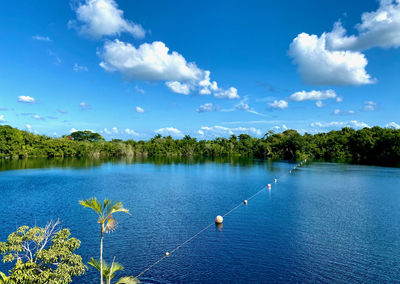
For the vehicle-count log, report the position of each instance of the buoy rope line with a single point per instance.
(167, 254)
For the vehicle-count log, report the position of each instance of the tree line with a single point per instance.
(375, 146)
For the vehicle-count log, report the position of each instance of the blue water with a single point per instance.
(324, 223)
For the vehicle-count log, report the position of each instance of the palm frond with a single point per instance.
(116, 267)
(110, 225)
(128, 280)
(92, 203)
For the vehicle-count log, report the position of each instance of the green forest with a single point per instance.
(374, 146)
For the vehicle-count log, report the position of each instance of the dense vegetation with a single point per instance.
(378, 146)
(45, 255)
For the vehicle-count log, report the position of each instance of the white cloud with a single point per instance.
(38, 117)
(85, 106)
(139, 109)
(319, 104)
(115, 130)
(284, 127)
(169, 131)
(106, 131)
(336, 124)
(28, 127)
(369, 106)
(98, 18)
(149, 62)
(244, 106)
(206, 86)
(26, 99)
(221, 131)
(155, 62)
(380, 28)
(2, 119)
(41, 38)
(319, 66)
(139, 90)
(207, 108)
(78, 68)
(179, 88)
(340, 112)
(230, 93)
(393, 125)
(313, 95)
(339, 99)
(73, 130)
(281, 104)
(131, 132)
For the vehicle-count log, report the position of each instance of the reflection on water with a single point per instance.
(84, 163)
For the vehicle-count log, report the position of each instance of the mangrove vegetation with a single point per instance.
(376, 146)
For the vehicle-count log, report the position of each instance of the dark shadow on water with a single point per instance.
(85, 163)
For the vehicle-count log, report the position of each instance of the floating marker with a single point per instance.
(290, 172)
(245, 202)
(275, 180)
(167, 254)
(219, 219)
(269, 186)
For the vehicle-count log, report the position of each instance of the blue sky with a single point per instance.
(130, 69)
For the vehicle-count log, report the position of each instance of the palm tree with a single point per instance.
(109, 272)
(106, 220)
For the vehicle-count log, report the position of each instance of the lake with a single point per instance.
(323, 223)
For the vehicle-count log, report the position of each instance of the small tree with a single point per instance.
(42, 255)
(109, 272)
(106, 220)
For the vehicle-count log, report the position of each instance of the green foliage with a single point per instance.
(379, 146)
(110, 270)
(86, 135)
(42, 255)
(106, 220)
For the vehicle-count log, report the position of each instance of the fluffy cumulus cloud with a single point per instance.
(370, 106)
(138, 109)
(317, 65)
(230, 93)
(2, 119)
(380, 28)
(26, 99)
(335, 58)
(393, 125)
(313, 95)
(148, 62)
(207, 108)
(178, 87)
(281, 104)
(97, 18)
(340, 124)
(132, 132)
(154, 62)
(221, 131)
(169, 131)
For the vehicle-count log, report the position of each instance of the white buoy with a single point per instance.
(290, 172)
(269, 186)
(167, 254)
(275, 180)
(245, 202)
(219, 219)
